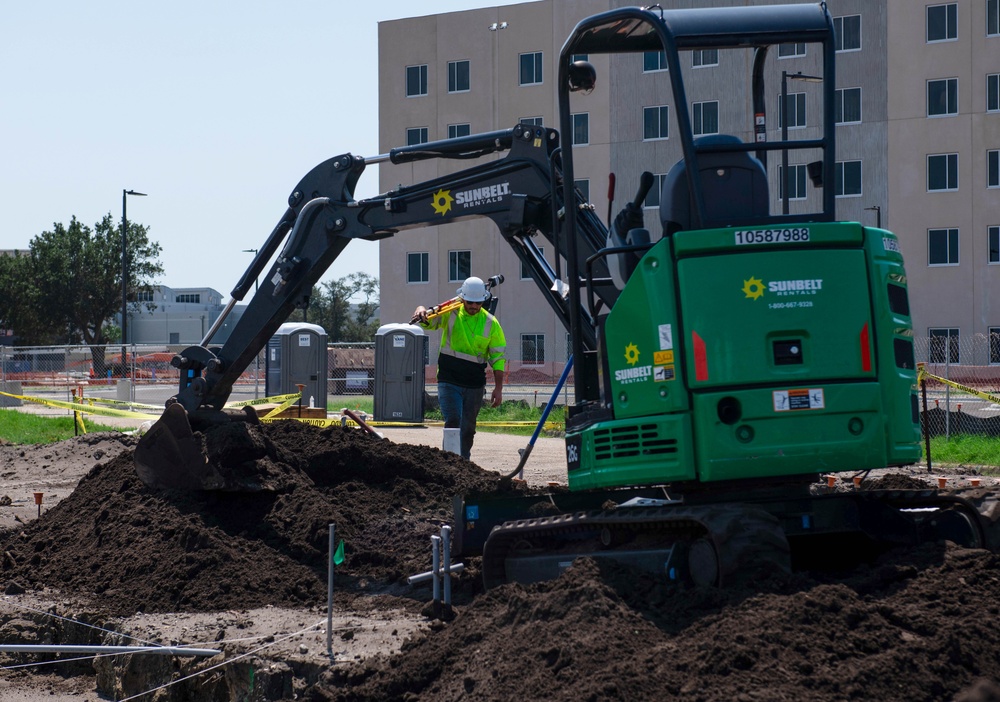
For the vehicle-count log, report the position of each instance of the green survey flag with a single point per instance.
(338, 555)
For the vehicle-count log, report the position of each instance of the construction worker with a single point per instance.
(471, 339)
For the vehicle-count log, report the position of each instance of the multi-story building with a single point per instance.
(917, 151)
(179, 316)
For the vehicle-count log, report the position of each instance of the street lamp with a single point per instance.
(878, 214)
(256, 374)
(125, 194)
(785, 75)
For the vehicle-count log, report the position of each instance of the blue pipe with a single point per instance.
(525, 452)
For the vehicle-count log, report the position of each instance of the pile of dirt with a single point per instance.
(171, 551)
(915, 625)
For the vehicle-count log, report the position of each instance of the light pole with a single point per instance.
(785, 75)
(256, 373)
(878, 214)
(125, 194)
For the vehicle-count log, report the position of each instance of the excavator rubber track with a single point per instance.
(705, 545)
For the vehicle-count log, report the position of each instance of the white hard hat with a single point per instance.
(473, 290)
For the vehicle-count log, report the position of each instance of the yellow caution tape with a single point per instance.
(124, 403)
(78, 423)
(283, 406)
(923, 374)
(264, 400)
(87, 409)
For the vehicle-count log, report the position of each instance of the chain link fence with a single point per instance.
(962, 383)
(961, 402)
(147, 377)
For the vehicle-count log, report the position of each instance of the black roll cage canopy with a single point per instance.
(637, 30)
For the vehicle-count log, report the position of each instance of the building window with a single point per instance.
(416, 80)
(993, 91)
(993, 169)
(942, 172)
(848, 178)
(531, 68)
(583, 185)
(705, 117)
(144, 296)
(796, 110)
(532, 349)
(581, 129)
(704, 57)
(459, 266)
(579, 57)
(993, 239)
(942, 22)
(791, 50)
(847, 33)
(416, 267)
(847, 106)
(994, 345)
(944, 345)
(655, 122)
(796, 182)
(942, 247)
(525, 271)
(534, 121)
(653, 196)
(459, 130)
(458, 76)
(189, 297)
(416, 135)
(942, 97)
(654, 61)
(992, 18)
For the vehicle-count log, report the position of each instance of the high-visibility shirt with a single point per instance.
(468, 344)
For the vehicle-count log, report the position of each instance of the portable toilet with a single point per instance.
(296, 355)
(400, 357)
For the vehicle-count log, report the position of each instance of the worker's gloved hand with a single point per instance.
(629, 218)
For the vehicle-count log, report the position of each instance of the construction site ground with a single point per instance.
(105, 560)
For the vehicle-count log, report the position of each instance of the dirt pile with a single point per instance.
(919, 627)
(168, 551)
(913, 626)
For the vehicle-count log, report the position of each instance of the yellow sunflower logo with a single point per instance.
(631, 354)
(753, 288)
(442, 202)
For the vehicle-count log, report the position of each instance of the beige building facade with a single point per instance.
(926, 175)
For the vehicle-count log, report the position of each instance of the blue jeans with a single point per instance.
(460, 407)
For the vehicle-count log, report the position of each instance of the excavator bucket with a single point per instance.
(171, 457)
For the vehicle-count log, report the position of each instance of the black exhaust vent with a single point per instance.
(899, 301)
(631, 441)
(904, 353)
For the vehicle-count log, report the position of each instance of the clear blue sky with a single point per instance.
(214, 109)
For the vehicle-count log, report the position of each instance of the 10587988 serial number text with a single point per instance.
(772, 236)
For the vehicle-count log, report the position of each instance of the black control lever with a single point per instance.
(631, 215)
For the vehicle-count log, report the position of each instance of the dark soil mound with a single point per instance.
(919, 627)
(145, 550)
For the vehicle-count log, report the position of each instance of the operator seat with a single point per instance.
(734, 185)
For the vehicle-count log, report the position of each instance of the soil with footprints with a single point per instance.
(915, 625)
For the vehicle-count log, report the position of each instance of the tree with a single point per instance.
(70, 283)
(18, 310)
(331, 307)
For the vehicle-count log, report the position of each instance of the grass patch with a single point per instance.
(968, 449)
(492, 419)
(23, 428)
